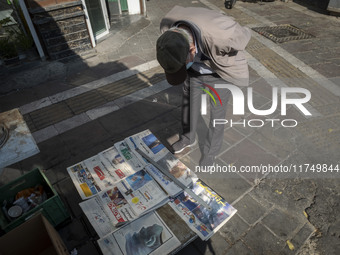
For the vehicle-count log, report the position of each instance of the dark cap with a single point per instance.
(172, 52)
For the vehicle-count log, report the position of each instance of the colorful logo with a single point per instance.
(204, 98)
(213, 90)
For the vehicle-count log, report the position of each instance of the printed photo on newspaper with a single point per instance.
(153, 148)
(146, 235)
(115, 163)
(130, 198)
(130, 156)
(202, 221)
(83, 180)
(148, 143)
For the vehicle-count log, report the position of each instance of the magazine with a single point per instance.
(83, 180)
(153, 148)
(202, 221)
(116, 164)
(130, 198)
(146, 235)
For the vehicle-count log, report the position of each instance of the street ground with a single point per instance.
(78, 107)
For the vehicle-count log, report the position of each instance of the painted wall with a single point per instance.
(134, 6)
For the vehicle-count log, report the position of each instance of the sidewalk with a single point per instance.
(86, 106)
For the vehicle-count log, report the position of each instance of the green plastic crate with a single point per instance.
(52, 208)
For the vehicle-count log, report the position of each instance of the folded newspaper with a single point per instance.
(148, 143)
(127, 200)
(202, 221)
(146, 235)
(99, 172)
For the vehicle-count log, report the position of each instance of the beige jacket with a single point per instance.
(220, 39)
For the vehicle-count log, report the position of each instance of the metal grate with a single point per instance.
(282, 33)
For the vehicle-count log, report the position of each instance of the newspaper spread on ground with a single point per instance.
(167, 184)
(83, 180)
(97, 215)
(146, 235)
(202, 221)
(130, 198)
(131, 157)
(116, 164)
(153, 148)
(99, 172)
(148, 143)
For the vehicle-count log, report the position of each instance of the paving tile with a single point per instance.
(74, 234)
(238, 249)
(262, 87)
(215, 245)
(231, 136)
(291, 194)
(283, 223)
(148, 110)
(249, 209)
(299, 239)
(261, 241)
(70, 195)
(50, 88)
(249, 154)
(234, 229)
(85, 101)
(52, 153)
(84, 137)
(15, 100)
(82, 77)
(121, 121)
(279, 141)
(50, 115)
(229, 185)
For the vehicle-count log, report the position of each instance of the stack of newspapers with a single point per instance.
(121, 190)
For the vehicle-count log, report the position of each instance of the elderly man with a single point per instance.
(199, 48)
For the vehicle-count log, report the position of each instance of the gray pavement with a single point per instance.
(83, 107)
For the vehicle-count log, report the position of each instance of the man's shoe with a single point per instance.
(181, 144)
(207, 161)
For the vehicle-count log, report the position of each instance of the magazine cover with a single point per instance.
(115, 163)
(146, 235)
(129, 199)
(202, 221)
(83, 180)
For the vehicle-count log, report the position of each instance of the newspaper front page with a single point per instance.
(153, 148)
(129, 199)
(131, 157)
(115, 163)
(83, 180)
(146, 235)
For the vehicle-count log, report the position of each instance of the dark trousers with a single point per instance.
(192, 120)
